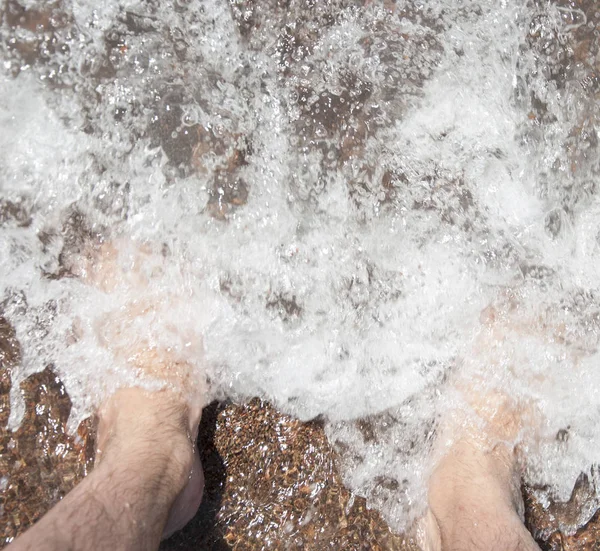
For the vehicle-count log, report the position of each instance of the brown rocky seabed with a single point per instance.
(271, 481)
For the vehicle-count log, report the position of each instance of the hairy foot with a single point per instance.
(474, 493)
(158, 426)
(135, 421)
(475, 502)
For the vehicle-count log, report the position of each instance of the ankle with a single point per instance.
(150, 430)
(475, 501)
(471, 471)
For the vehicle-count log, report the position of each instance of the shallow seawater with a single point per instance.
(328, 195)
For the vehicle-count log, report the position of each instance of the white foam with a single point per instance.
(318, 294)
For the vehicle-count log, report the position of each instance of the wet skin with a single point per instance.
(142, 490)
(139, 490)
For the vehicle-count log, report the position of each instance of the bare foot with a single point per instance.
(475, 501)
(474, 493)
(153, 425)
(134, 420)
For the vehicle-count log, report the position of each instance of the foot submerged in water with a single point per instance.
(474, 502)
(474, 492)
(167, 419)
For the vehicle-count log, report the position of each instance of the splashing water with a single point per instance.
(331, 193)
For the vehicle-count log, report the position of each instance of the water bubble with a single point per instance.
(181, 5)
(190, 115)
